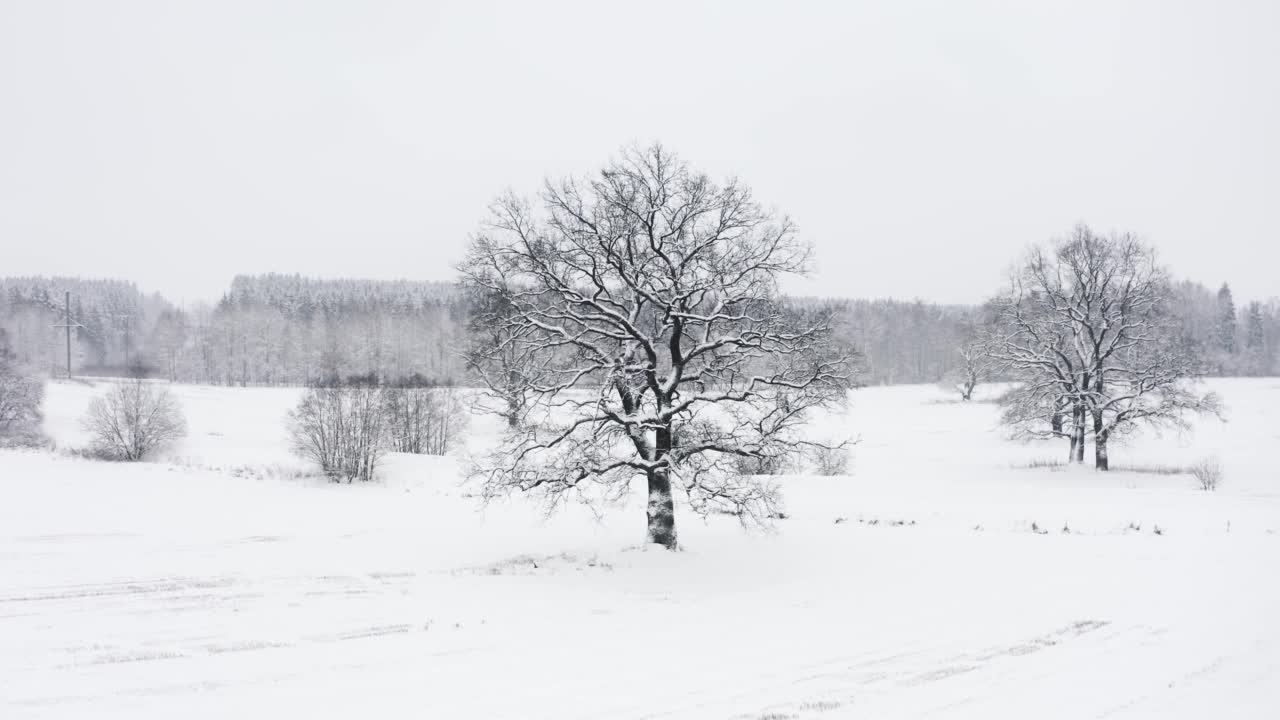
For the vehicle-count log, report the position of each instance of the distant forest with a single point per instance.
(265, 330)
(291, 330)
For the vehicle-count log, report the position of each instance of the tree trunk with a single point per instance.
(1077, 434)
(1055, 424)
(1099, 432)
(662, 517)
(1099, 443)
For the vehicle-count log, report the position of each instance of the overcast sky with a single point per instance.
(921, 146)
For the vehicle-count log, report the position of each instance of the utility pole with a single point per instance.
(68, 324)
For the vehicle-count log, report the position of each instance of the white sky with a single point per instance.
(919, 145)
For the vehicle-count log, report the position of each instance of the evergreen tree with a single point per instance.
(1226, 320)
(1253, 327)
(1255, 341)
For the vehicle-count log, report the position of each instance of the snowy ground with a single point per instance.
(217, 583)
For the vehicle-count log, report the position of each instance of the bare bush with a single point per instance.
(829, 460)
(424, 421)
(133, 419)
(1208, 472)
(341, 428)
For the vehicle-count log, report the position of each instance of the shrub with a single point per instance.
(829, 460)
(133, 419)
(1208, 472)
(423, 421)
(342, 429)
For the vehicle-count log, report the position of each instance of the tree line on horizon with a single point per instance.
(265, 330)
(277, 329)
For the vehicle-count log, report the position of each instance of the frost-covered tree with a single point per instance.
(1254, 333)
(1226, 320)
(649, 294)
(1257, 350)
(1087, 326)
(973, 366)
(21, 393)
(168, 342)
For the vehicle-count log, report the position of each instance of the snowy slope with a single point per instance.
(218, 581)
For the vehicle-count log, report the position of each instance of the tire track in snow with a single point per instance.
(848, 681)
(125, 587)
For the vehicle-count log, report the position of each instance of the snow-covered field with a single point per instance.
(219, 583)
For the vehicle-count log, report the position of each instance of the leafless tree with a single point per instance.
(134, 418)
(973, 368)
(1087, 330)
(649, 295)
(341, 428)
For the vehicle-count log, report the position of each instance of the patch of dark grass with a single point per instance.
(1051, 465)
(1153, 469)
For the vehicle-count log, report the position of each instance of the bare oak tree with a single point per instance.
(1087, 329)
(647, 297)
